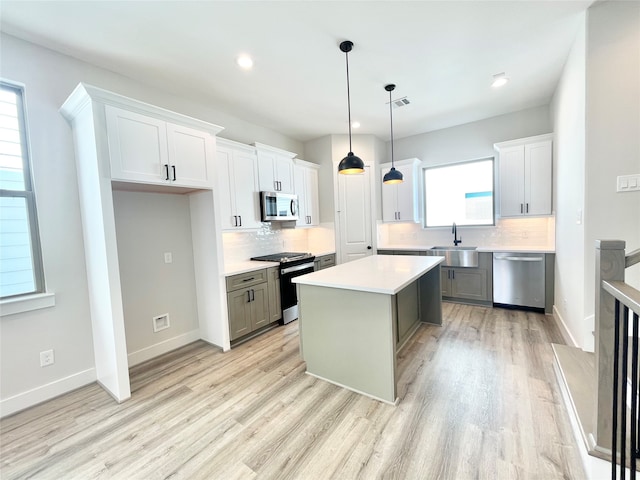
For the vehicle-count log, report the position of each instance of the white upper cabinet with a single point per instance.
(525, 167)
(305, 176)
(238, 185)
(275, 169)
(401, 201)
(145, 149)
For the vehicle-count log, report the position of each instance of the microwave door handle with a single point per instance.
(293, 207)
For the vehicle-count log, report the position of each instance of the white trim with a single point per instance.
(26, 303)
(153, 351)
(564, 330)
(11, 405)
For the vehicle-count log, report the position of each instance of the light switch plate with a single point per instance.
(168, 257)
(628, 183)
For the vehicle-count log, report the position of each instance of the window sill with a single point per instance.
(27, 303)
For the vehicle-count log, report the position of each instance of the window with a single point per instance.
(460, 193)
(20, 258)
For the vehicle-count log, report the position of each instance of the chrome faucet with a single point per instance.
(454, 230)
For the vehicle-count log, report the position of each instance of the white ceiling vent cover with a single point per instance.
(401, 102)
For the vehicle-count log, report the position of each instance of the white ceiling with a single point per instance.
(440, 54)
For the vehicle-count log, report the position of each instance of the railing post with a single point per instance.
(610, 265)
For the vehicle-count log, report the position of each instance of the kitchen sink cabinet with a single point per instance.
(249, 301)
(238, 186)
(145, 149)
(401, 201)
(275, 169)
(525, 167)
(305, 175)
(469, 284)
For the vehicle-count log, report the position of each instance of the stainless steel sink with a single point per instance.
(456, 256)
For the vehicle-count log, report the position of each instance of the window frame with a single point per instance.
(453, 164)
(28, 193)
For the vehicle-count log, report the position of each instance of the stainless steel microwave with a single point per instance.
(277, 206)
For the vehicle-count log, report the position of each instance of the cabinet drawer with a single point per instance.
(247, 279)
(327, 261)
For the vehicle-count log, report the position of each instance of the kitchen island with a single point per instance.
(356, 316)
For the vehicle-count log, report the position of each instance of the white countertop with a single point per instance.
(502, 248)
(386, 274)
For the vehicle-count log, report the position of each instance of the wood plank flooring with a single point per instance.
(479, 400)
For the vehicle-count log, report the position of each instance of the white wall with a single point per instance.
(612, 131)
(147, 226)
(568, 109)
(49, 78)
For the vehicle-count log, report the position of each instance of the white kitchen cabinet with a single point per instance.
(305, 175)
(525, 167)
(238, 185)
(401, 201)
(144, 149)
(275, 169)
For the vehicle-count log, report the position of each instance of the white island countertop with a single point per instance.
(386, 274)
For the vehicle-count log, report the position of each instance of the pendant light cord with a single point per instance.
(346, 54)
(391, 116)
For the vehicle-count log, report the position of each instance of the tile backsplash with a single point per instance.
(274, 238)
(508, 232)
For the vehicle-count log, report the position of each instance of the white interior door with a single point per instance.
(355, 216)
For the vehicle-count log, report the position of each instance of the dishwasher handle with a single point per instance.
(513, 258)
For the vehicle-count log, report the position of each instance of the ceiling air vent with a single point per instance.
(401, 102)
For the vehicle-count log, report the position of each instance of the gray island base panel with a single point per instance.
(350, 336)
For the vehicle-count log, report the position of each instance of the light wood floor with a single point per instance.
(479, 399)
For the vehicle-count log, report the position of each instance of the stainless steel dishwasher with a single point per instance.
(518, 279)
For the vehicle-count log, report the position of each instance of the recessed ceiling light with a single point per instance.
(499, 79)
(355, 124)
(245, 62)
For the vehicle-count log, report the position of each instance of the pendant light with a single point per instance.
(393, 175)
(351, 163)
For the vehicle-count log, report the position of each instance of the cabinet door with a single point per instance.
(226, 192)
(469, 283)
(190, 156)
(283, 173)
(445, 281)
(266, 172)
(406, 194)
(408, 310)
(245, 186)
(259, 306)
(273, 283)
(137, 147)
(512, 181)
(313, 200)
(300, 184)
(239, 313)
(538, 184)
(389, 200)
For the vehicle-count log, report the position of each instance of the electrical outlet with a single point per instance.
(47, 358)
(168, 257)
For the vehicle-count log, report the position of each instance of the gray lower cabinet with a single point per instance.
(325, 261)
(402, 252)
(252, 301)
(469, 284)
(273, 282)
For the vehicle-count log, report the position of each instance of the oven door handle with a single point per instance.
(296, 268)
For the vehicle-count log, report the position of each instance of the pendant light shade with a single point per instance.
(351, 163)
(393, 175)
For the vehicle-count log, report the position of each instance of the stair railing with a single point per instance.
(616, 313)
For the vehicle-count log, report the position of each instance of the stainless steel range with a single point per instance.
(292, 264)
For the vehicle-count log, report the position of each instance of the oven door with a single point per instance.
(288, 293)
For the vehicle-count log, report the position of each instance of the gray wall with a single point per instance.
(49, 78)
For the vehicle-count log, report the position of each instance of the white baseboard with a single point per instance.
(566, 334)
(153, 351)
(11, 405)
